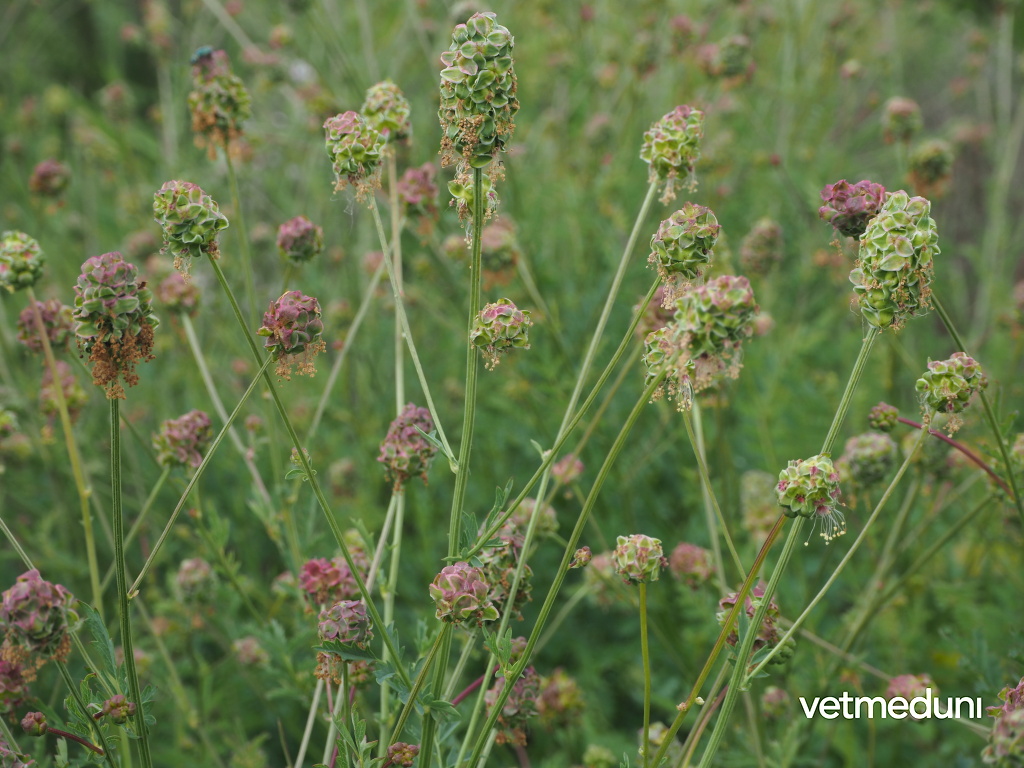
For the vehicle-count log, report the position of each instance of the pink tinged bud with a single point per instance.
(118, 709)
(34, 724)
(461, 596)
(402, 754)
(404, 452)
(581, 558)
(849, 207)
(299, 240)
(293, 329)
(638, 558)
(183, 441)
(499, 328)
(346, 622)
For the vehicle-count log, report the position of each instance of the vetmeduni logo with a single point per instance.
(898, 707)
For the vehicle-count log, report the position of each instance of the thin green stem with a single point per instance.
(421, 678)
(77, 471)
(70, 683)
(310, 720)
(164, 474)
(647, 673)
(15, 544)
(195, 479)
(243, 238)
(123, 610)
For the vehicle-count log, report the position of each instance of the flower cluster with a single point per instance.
(299, 240)
(948, 385)
(118, 709)
(219, 102)
(893, 274)
(404, 452)
(461, 595)
(810, 488)
(478, 92)
(21, 261)
(682, 246)
(930, 168)
(13, 686)
(34, 618)
(884, 417)
(293, 329)
(561, 700)
(356, 150)
(499, 252)
(690, 564)
(74, 396)
(57, 325)
(728, 58)
(346, 622)
(417, 190)
(387, 110)
(328, 581)
(672, 147)
(638, 558)
(182, 442)
(194, 577)
(867, 458)
(519, 707)
(115, 320)
(901, 119)
(178, 295)
(767, 633)
(1006, 742)
(190, 220)
(500, 327)
(49, 178)
(849, 207)
(761, 249)
(402, 754)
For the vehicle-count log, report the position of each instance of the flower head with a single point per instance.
(190, 220)
(293, 329)
(478, 92)
(13, 686)
(774, 702)
(638, 558)
(948, 385)
(34, 617)
(690, 564)
(893, 273)
(1006, 742)
(500, 327)
(115, 320)
(118, 709)
(11, 759)
(328, 581)
(761, 249)
(461, 595)
(768, 633)
(868, 458)
(519, 707)
(183, 441)
(299, 240)
(356, 150)
(34, 724)
(682, 246)
(74, 396)
(672, 147)
(194, 577)
(810, 488)
(849, 207)
(930, 168)
(402, 754)
(901, 119)
(387, 110)
(58, 325)
(346, 622)
(1012, 698)
(219, 102)
(178, 295)
(884, 417)
(21, 261)
(49, 178)
(404, 452)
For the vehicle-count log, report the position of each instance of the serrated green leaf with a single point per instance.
(101, 639)
(346, 652)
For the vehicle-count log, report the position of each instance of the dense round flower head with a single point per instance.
(901, 119)
(868, 458)
(1012, 698)
(34, 724)
(638, 558)
(702, 343)
(118, 709)
(948, 385)
(249, 652)
(293, 329)
(461, 595)
(34, 616)
(768, 633)
(893, 273)
(884, 417)
(500, 327)
(75, 397)
(808, 487)
(567, 469)
(514, 528)
(581, 558)
(499, 252)
(328, 581)
(774, 702)
(49, 178)
(672, 147)
(190, 220)
(299, 240)
(219, 102)
(761, 249)
(417, 191)
(194, 577)
(346, 622)
(682, 246)
(910, 686)
(21, 261)
(849, 207)
(57, 324)
(1006, 742)
(13, 686)
(356, 150)
(561, 701)
(182, 442)
(930, 168)
(728, 58)
(404, 452)
(115, 320)
(478, 92)
(402, 754)
(498, 567)
(387, 110)
(519, 707)
(178, 295)
(690, 564)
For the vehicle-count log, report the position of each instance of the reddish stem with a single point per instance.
(470, 688)
(74, 737)
(964, 450)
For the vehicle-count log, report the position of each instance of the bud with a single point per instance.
(118, 709)
(404, 452)
(183, 441)
(299, 240)
(682, 246)
(849, 207)
(402, 754)
(884, 417)
(190, 220)
(892, 275)
(346, 622)
(690, 564)
(115, 320)
(672, 147)
(293, 329)
(581, 558)
(901, 119)
(387, 111)
(34, 724)
(948, 385)
(21, 261)
(500, 327)
(478, 92)
(219, 102)
(356, 149)
(49, 178)
(638, 558)
(460, 595)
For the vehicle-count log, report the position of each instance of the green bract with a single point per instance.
(683, 243)
(21, 261)
(948, 385)
(894, 271)
(478, 92)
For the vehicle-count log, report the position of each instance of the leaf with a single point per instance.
(440, 709)
(101, 639)
(431, 438)
(346, 652)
